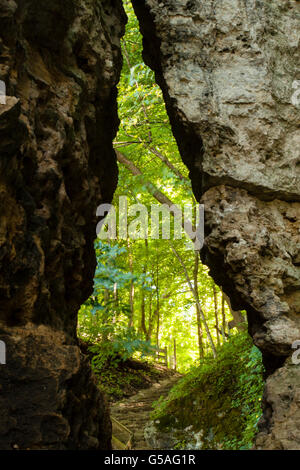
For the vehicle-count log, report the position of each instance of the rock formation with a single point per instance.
(60, 62)
(229, 71)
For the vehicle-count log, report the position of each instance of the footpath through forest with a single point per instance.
(134, 412)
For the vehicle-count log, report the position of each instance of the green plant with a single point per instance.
(103, 319)
(222, 397)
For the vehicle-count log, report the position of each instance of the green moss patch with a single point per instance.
(218, 404)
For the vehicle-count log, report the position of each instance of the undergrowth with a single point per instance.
(119, 376)
(220, 399)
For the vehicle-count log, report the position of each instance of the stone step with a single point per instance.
(134, 413)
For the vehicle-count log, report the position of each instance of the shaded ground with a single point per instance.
(125, 379)
(134, 412)
(121, 379)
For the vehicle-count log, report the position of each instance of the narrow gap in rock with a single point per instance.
(157, 326)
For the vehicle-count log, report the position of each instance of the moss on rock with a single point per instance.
(216, 405)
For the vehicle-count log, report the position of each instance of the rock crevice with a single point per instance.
(227, 69)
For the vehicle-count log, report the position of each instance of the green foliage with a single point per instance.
(103, 319)
(221, 397)
(121, 348)
(159, 285)
(144, 133)
(145, 124)
(247, 396)
(119, 377)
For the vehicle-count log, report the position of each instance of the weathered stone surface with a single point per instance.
(48, 397)
(61, 62)
(279, 429)
(258, 245)
(228, 70)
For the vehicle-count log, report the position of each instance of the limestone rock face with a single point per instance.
(48, 396)
(281, 421)
(60, 62)
(229, 71)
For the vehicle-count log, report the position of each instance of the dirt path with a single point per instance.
(134, 412)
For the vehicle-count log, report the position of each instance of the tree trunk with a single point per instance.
(131, 287)
(150, 322)
(157, 301)
(143, 328)
(216, 313)
(143, 301)
(174, 355)
(174, 210)
(213, 348)
(198, 315)
(223, 318)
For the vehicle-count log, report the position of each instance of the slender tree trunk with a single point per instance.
(157, 325)
(157, 301)
(143, 328)
(159, 196)
(216, 313)
(175, 358)
(213, 348)
(223, 318)
(150, 322)
(143, 301)
(131, 302)
(198, 315)
(106, 296)
(131, 287)
(116, 303)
